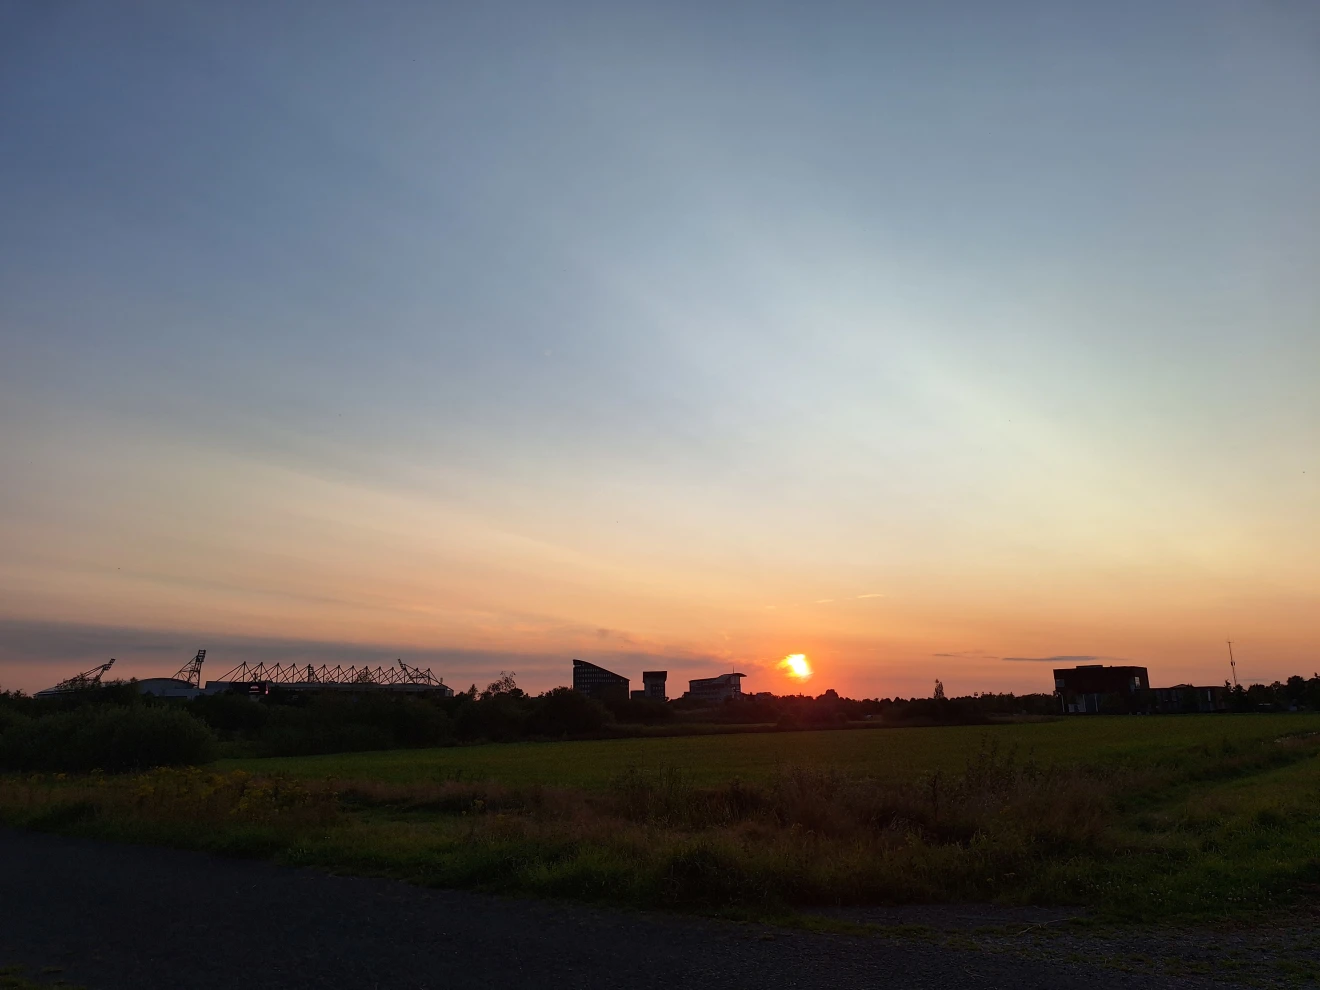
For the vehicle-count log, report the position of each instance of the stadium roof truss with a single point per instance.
(308, 675)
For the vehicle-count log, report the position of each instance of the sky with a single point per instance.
(934, 340)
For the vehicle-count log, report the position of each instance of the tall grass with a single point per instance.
(1217, 831)
(712, 759)
(188, 807)
(807, 836)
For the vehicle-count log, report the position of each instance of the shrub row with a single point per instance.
(111, 739)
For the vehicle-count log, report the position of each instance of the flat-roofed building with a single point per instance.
(716, 689)
(653, 684)
(597, 682)
(169, 687)
(1093, 687)
(1191, 698)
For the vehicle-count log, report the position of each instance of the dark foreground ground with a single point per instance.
(109, 917)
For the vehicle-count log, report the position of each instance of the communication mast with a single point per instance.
(1232, 663)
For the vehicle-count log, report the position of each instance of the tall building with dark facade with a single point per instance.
(653, 685)
(599, 683)
(1091, 688)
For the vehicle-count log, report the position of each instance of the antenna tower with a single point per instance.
(1232, 663)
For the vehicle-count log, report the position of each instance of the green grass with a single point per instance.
(12, 978)
(879, 752)
(1137, 818)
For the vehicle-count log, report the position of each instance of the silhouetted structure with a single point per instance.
(653, 684)
(599, 683)
(186, 682)
(259, 678)
(1093, 688)
(716, 689)
(78, 682)
(191, 672)
(1190, 698)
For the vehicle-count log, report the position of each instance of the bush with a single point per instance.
(10, 718)
(642, 711)
(564, 712)
(109, 739)
(230, 714)
(345, 723)
(934, 711)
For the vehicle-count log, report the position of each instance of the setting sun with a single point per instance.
(797, 666)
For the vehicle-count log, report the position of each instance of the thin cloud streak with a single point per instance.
(1067, 659)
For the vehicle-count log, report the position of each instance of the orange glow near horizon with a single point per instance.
(797, 666)
(296, 558)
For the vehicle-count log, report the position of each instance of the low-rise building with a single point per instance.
(1190, 698)
(716, 689)
(169, 687)
(1093, 688)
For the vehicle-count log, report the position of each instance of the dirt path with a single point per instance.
(115, 917)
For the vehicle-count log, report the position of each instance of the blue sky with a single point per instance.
(421, 327)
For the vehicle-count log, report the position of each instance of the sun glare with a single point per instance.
(797, 666)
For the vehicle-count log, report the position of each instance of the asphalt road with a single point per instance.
(113, 916)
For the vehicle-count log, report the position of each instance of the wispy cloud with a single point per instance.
(969, 655)
(1066, 659)
(872, 595)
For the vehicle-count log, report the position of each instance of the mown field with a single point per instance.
(1154, 819)
(891, 754)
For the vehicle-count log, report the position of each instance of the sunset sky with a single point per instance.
(924, 340)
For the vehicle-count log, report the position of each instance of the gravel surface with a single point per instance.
(114, 916)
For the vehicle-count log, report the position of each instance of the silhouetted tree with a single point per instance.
(504, 684)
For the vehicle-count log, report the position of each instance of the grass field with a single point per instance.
(879, 752)
(1137, 818)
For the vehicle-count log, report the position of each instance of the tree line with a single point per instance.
(114, 727)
